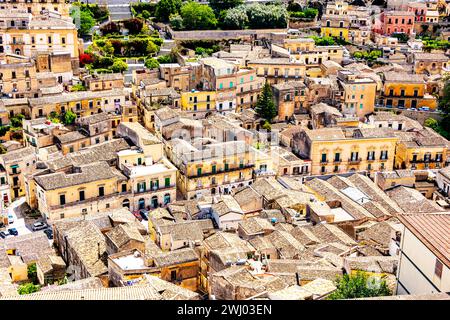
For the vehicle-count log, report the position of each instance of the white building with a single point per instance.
(424, 262)
(443, 180)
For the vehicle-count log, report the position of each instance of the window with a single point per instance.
(438, 269)
(62, 199)
(213, 168)
(220, 85)
(226, 166)
(124, 187)
(63, 40)
(324, 157)
(354, 156)
(167, 182)
(173, 275)
(101, 191)
(384, 155)
(81, 195)
(337, 157)
(199, 171)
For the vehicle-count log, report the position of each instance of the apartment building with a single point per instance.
(431, 63)
(83, 103)
(289, 98)
(197, 104)
(211, 168)
(135, 176)
(305, 50)
(338, 150)
(176, 76)
(358, 93)
(236, 88)
(276, 70)
(36, 7)
(424, 265)
(398, 22)
(25, 34)
(16, 164)
(403, 90)
(420, 149)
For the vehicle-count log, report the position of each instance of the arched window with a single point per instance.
(166, 198)
(17, 51)
(141, 203)
(154, 202)
(126, 203)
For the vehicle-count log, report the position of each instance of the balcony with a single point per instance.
(87, 201)
(154, 189)
(337, 160)
(323, 161)
(354, 161)
(206, 174)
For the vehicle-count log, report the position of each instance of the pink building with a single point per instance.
(419, 9)
(398, 21)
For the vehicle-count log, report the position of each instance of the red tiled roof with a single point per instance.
(433, 230)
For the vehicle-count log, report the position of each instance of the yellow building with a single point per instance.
(277, 70)
(141, 178)
(335, 26)
(338, 150)
(18, 78)
(35, 7)
(198, 103)
(104, 81)
(404, 90)
(83, 103)
(420, 149)
(358, 94)
(214, 168)
(305, 50)
(17, 163)
(290, 98)
(26, 34)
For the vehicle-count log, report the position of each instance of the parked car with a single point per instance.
(3, 235)
(137, 215)
(13, 232)
(412, 109)
(424, 108)
(39, 226)
(49, 233)
(144, 214)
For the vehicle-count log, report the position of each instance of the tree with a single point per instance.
(198, 16)
(262, 16)
(133, 25)
(108, 48)
(32, 273)
(265, 106)
(151, 63)
(359, 285)
(165, 8)
(119, 66)
(167, 58)
(69, 117)
(28, 288)
(151, 47)
(145, 14)
(219, 5)
(78, 87)
(431, 123)
(86, 58)
(16, 121)
(235, 19)
(87, 21)
(176, 21)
